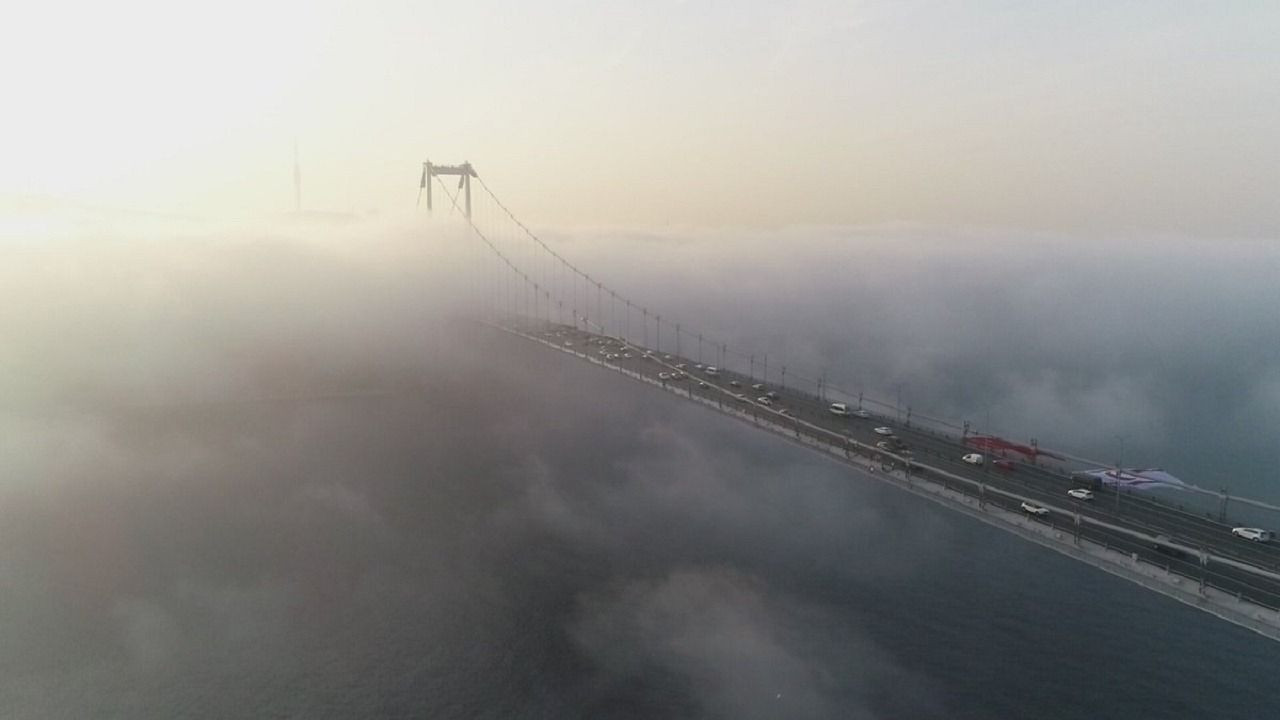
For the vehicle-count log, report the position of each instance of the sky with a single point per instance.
(1111, 117)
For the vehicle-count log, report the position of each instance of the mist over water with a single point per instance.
(264, 471)
(1155, 351)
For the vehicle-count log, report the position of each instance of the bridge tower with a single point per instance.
(464, 172)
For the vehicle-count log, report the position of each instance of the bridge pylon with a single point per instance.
(464, 172)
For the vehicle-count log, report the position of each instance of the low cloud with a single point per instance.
(1087, 343)
(265, 468)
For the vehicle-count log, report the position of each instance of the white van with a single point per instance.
(840, 409)
(1254, 534)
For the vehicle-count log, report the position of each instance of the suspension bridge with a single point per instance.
(1185, 550)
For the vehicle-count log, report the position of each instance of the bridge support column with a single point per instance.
(465, 172)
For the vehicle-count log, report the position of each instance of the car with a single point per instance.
(702, 385)
(711, 370)
(626, 355)
(611, 356)
(1002, 464)
(697, 366)
(680, 366)
(860, 413)
(839, 409)
(771, 395)
(678, 375)
(568, 343)
(785, 411)
(666, 357)
(884, 431)
(1080, 493)
(734, 383)
(1033, 509)
(885, 446)
(974, 459)
(1254, 534)
(757, 386)
(1161, 545)
(740, 397)
(664, 376)
(764, 401)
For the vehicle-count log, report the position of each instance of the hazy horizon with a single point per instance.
(1139, 116)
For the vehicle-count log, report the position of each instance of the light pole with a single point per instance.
(1119, 468)
(897, 405)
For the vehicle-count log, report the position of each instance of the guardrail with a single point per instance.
(910, 472)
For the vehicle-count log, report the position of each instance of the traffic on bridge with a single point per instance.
(1073, 506)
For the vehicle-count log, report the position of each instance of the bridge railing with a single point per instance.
(1139, 544)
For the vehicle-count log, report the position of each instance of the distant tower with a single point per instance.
(464, 172)
(297, 180)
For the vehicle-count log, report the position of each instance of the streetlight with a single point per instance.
(1119, 468)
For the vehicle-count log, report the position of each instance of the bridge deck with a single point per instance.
(1201, 564)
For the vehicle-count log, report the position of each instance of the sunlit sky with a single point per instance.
(1110, 116)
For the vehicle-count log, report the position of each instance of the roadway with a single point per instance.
(809, 416)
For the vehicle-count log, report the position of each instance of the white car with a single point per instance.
(1034, 509)
(741, 397)
(734, 383)
(860, 413)
(1080, 493)
(666, 357)
(974, 459)
(1254, 534)
(884, 431)
(664, 376)
(680, 366)
(677, 375)
(839, 409)
(764, 401)
(771, 395)
(702, 385)
(786, 412)
(712, 371)
(885, 446)
(757, 386)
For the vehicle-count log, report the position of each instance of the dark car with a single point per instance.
(1161, 546)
